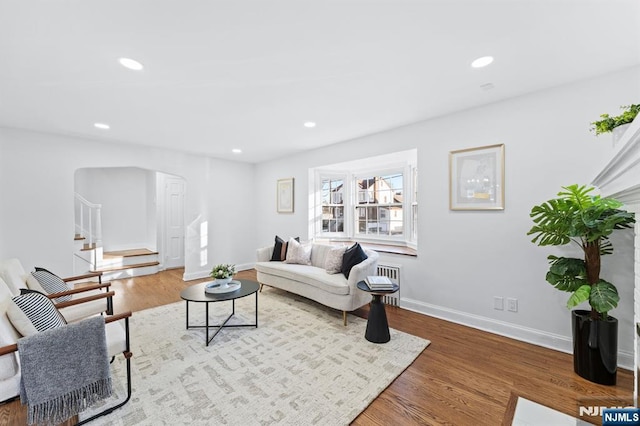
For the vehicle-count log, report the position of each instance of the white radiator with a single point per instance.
(393, 273)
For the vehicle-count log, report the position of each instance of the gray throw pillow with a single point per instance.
(333, 261)
(298, 253)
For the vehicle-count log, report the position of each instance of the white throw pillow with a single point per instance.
(34, 284)
(333, 261)
(298, 253)
(31, 312)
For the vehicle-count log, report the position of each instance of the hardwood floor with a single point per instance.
(465, 377)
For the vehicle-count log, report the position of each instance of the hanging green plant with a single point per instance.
(608, 123)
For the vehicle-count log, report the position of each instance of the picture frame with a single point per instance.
(285, 195)
(476, 178)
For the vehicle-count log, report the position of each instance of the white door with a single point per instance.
(174, 222)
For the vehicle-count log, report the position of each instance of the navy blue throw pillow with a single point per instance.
(351, 258)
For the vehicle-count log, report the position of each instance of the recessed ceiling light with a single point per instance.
(482, 62)
(236, 151)
(132, 64)
(102, 126)
(309, 124)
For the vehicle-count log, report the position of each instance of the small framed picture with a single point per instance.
(476, 178)
(285, 195)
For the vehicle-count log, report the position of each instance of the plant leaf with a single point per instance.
(604, 297)
(580, 295)
(566, 274)
(577, 214)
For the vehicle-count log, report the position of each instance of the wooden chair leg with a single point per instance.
(261, 287)
(344, 318)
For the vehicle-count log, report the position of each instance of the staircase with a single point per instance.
(116, 264)
(128, 263)
(90, 256)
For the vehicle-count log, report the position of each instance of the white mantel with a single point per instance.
(620, 176)
(620, 179)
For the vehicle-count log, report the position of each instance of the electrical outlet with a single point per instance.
(498, 303)
(512, 304)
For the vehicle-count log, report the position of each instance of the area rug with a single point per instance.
(300, 366)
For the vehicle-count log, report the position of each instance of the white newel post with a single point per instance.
(620, 179)
(98, 226)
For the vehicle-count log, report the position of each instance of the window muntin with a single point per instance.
(332, 205)
(379, 209)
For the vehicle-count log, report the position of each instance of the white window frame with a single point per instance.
(398, 239)
(402, 162)
(320, 177)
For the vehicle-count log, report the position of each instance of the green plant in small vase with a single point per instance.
(586, 220)
(223, 272)
(606, 124)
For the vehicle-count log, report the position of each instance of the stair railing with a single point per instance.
(88, 221)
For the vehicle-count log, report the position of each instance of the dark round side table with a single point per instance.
(377, 325)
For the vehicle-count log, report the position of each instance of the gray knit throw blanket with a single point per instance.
(64, 371)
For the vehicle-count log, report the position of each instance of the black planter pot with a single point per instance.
(595, 347)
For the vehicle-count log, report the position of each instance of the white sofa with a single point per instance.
(313, 282)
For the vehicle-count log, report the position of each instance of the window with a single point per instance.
(379, 209)
(332, 205)
(375, 200)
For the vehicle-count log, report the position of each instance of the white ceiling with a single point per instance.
(223, 74)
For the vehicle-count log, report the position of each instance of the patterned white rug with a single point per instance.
(300, 366)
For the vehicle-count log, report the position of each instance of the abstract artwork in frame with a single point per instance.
(476, 178)
(285, 195)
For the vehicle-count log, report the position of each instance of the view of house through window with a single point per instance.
(371, 199)
(332, 205)
(379, 209)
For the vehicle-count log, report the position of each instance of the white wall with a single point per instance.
(37, 184)
(466, 258)
(127, 196)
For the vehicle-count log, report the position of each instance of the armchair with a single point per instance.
(117, 340)
(83, 302)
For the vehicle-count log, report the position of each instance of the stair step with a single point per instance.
(128, 271)
(120, 264)
(115, 260)
(123, 267)
(129, 253)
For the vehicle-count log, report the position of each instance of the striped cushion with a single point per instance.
(51, 283)
(40, 311)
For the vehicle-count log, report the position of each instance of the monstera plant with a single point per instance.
(587, 221)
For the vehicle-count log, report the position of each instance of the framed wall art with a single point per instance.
(285, 195)
(476, 178)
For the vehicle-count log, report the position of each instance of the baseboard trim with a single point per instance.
(197, 275)
(513, 331)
